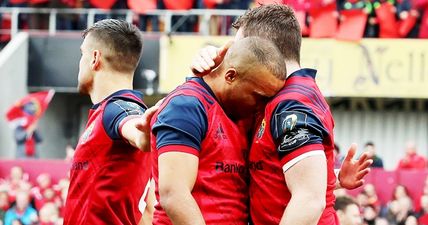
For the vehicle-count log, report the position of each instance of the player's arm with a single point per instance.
(150, 201)
(307, 182)
(177, 176)
(299, 135)
(179, 129)
(128, 120)
(136, 130)
(352, 172)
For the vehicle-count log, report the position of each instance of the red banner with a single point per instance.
(29, 109)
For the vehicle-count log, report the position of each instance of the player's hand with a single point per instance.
(352, 172)
(208, 59)
(144, 127)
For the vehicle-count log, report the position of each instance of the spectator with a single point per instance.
(412, 160)
(423, 214)
(49, 215)
(362, 199)
(370, 215)
(26, 141)
(17, 180)
(4, 204)
(347, 211)
(21, 211)
(411, 220)
(381, 221)
(44, 183)
(400, 207)
(338, 158)
(371, 149)
(372, 198)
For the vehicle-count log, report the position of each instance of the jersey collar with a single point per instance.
(201, 81)
(305, 72)
(120, 92)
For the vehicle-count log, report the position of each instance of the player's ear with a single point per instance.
(230, 75)
(96, 60)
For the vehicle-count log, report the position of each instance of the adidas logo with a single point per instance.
(220, 133)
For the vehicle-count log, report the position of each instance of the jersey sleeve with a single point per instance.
(117, 112)
(297, 131)
(181, 125)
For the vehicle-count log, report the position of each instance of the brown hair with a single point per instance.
(256, 51)
(343, 202)
(124, 41)
(268, 55)
(276, 23)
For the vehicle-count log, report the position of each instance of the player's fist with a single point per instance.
(208, 59)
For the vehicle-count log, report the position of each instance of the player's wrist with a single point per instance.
(337, 173)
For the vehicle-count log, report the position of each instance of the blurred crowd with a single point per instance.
(367, 209)
(348, 19)
(41, 202)
(401, 208)
(26, 203)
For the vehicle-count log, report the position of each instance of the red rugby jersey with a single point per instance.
(220, 190)
(107, 177)
(297, 124)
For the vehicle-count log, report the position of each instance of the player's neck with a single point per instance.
(106, 84)
(212, 82)
(292, 66)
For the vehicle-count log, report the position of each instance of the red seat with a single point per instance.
(353, 23)
(323, 22)
(5, 28)
(385, 14)
(102, 4)
(140, 6)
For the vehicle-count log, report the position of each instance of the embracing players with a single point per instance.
(291, 157)
(199, 151)
(110, 172)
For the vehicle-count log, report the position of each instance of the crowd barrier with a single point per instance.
(58, 169)
(383, 180)
(386, 181)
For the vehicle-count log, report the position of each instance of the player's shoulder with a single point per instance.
(197, 87)
(124, 102)
(181, 107)
(126, 96)
(183, 101)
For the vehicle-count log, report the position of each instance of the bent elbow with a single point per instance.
(314, 203)
(317, 205)
(165, 197)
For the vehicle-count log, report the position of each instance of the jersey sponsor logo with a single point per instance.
(294, 139)
(290, 122)
(84, 165)
(229, 167)
(87, 133)
(255, 165)
(261, 129)
(219, 134)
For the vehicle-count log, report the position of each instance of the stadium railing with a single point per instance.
(204, 14)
